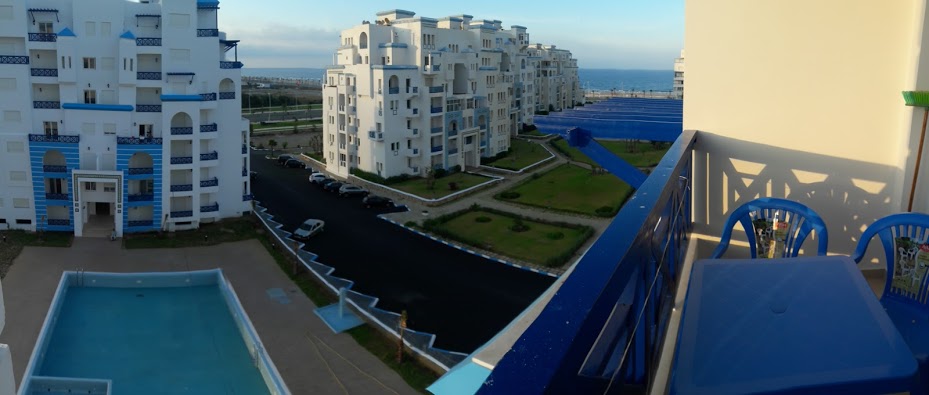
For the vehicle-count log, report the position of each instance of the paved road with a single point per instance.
(284, 116)
(464, 299)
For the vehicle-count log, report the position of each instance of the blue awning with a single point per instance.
(228, 44)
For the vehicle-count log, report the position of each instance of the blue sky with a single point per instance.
(621, 34)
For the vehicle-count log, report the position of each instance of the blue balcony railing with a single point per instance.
(138, 141)
(412, 89)
(141, 170)
(207, 32)
(43, 72)
(55, 138)
(59, 222)
(214, 182)
(148, 42)
(415, 111)
(57, 196)
(43, 37)
(136, 223)
(182, 188)
(209, 156)
(452, 133)
(393, 91)
(182, 160)
(14, 59)
(210, 208)
(182, 131)
(436, 130)
(46, 105)
(437, 148)
(452, 151)
(208, 128)
(55, 169)
(244, 172)
(230, 65)
(374, 135)
(182, 214)
(148, 108)
(244, 148)
(436, 110)
(148, 75)
(436, 89)
(208, 96)
(248, 197)
(620, 298)
(141, 197)
(226, 95)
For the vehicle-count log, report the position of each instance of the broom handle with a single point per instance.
(919, 156)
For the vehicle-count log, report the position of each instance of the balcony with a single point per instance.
(226, 95)
(141, 197)
(207, 32)
(140, 223)
(432, 68)
(393, 91)
(208, 96)
(208, 128)
(43, 72)
(139, 171)
(57, 196)
(43, 37)
(376, 136)
(210, 208)
(452, 133)
(415, 112)
(248, 197)
(436, 130)
(244, 172)
(436, 89)
(182, 131)
(437, 149)
(213, 182)
(55, 138)
(351, 110)
(14, 59)
(148, 41)
(54, 169)
(412, 152)
(182, 160)
(182, 214)
(148, 108)
(244, 149)
(182, 188)
(46, 105)
(436, 110)
(452, 151)
(209, 156)
(138, 141)
(148, 75)
(413, 90)
(59, 222)
(230, 65)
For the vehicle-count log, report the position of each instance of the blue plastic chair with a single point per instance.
(757, 214)
(905, 238)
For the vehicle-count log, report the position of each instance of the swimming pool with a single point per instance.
(149, 333)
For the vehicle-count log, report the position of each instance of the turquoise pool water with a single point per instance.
(160, 340)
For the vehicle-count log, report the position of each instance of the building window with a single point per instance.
(109, 128)
(46, 27)
(15, 146)
(24, 221)
(90, 186)
(90, 63)
(90, 28)
(17, 176)
(105, 28)
(90, 97)
(50, 127)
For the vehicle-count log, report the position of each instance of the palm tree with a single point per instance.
(272, 143)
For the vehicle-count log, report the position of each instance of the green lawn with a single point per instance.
(522, 154)
(574, 189)
(227, 230)
(543, 244)
(287, 124)
(646, 155)
(533, 132)
(418, 187)
(13, 241)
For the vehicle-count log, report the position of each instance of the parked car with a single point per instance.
(309, 228)
(325, 181)
(294, 164)
(352, 190)
(377, 201)
(282, 159)
(317, 178)
(333, 186)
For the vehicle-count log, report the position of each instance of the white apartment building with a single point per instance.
(557, 83)
(410, 93)
(119, 115)
(679, 76)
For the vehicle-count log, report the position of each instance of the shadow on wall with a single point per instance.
(848, 194)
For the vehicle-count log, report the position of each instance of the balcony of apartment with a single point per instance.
(14, 59)
(248, 197)
(209, 185)
(412, 91)
(452, 151)
(375, 135)
(431, 69)
(54, 164)
(436, 129)
(351, 110)
(148, 99)
(207, 32)
(54, 138)
(209, 131)
(435, 110)
(411, 152)
(141, 165)
(435, 90)
(436, 149)
(210, 158)
(411, 133)
(209, 210)
(224, 64)
(46, 97)
(181, 155)
(245, 148)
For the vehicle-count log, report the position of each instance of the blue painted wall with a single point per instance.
(37, 150)
(123, 153)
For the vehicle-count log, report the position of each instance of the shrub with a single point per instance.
(536, 176)
(453, 186)
(605, 211)
(260, 146)
(439, 173)
(519, 225)
(410, 224)
(555, 235)
(483, 219)
(454, 169)
(366, 175)
(397, 179)
(510, 195)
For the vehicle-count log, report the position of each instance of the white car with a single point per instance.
(309, 228)
(352, 190)
(315, 178)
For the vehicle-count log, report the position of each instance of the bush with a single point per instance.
(439, 173)
(366, 176)
(483, 219)
(510, 195)
(519, 225)
(529, 127)
(410, 224)
(453, 186)
(260, 146)
(454, 169)
(605, 211)
(397, 179)
(496, 157)
(536, 176)
(555, 235)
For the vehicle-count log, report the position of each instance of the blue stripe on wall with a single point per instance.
(37, 151)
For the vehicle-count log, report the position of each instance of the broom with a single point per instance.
(917, 99)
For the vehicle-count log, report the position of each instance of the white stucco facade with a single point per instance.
(119, 114)
(678, 90)
(409, 93)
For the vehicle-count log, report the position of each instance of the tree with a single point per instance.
(271, 144)
(430, 178)
(284, 145)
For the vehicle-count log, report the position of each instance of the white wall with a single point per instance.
(802, 100)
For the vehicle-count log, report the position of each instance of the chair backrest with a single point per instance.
(905, 238)
(775, 228)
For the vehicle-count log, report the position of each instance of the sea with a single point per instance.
(591, 79)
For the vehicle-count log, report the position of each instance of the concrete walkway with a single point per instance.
(310, 358)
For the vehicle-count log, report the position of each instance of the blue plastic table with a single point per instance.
(787, 326)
